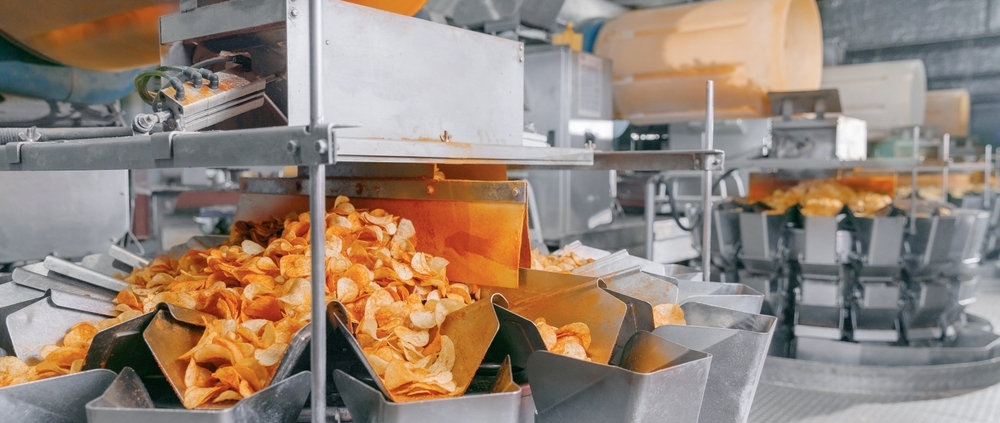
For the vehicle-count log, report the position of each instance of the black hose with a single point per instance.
(210, 62)
(8, 135)
(696, 223)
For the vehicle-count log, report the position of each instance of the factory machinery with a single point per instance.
(319, 85)
(430, 122)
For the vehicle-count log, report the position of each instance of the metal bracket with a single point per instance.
(13, 152)
(161, 145)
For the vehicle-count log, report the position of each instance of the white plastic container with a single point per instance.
(949, 111)
(662, 57)
(887, 94)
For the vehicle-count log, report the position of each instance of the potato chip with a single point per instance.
(548, 333)
(557, 262)
(271, 355)
(196, 396)
(571, 340)
(668, 314)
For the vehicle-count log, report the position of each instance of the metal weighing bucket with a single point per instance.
(56, 400)
(498, 403)
(656, 380)
(128, 401)
(738, 343)
(734, 296)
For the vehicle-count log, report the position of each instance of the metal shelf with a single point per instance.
(302, 146)
(899, 165)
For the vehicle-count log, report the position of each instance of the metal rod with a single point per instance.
(945, 170)
(913, 181)
(650, 213)
(315, 62)
(55, 134)
(987, 174)
(317, 230)
(317, 226)
(706, 200)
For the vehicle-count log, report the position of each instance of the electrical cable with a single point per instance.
(696, 223)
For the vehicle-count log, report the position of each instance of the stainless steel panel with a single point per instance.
(219, 18)
(840, 138)
(409, 80)
(568, 99)
(821, 293)
(881, 239)
(823, 241)
(738, 343)
(759, 235)
(69, 214)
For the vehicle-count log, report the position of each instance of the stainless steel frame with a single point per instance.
(315, 145)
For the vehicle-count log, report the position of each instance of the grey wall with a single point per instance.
(958, 40)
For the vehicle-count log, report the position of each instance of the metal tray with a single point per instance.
(499, 402)
(657, 380)
(733, 296)
(126, 400)
(56, 400)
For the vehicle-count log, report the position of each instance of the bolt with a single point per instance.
(295, 13)
(292, 146)
(430, 190)
(520, 58)
(516, 192)
(327, 42)
(697, 163)
(320, 146)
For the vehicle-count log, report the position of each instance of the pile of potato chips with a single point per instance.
(826, 197)
(257, 288)
(58, 360)
(570, 340)
(559, 263)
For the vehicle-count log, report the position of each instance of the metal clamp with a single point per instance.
(161, 145)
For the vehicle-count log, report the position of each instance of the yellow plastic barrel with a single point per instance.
(661, 58)
(949, 111)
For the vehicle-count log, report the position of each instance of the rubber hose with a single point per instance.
(194, 76)
(8, 135)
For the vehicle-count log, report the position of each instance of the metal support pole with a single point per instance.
(650, 213)
(317, 236)
(987, 176)
(913, 180)
(946, 169)
(317, 223)
(706, 192)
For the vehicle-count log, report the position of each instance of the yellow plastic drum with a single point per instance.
(662, 57)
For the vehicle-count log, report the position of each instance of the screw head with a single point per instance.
(516, 192)
(320, 146)
(327, 42)
(294, 12)
(430, 190)
(292, 146)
